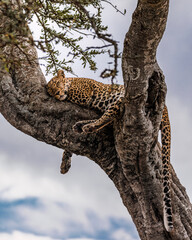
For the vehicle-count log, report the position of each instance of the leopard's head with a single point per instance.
(56, 86)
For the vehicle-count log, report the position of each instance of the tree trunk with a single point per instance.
(129, 153)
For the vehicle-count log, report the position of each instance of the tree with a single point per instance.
(130, 154)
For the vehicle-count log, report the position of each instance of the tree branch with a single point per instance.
(115, 7)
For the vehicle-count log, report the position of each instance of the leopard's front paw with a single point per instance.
(78, 127)
(88, 128)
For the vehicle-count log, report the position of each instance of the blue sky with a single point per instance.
(38, 203)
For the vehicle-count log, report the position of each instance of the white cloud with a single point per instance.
(86, 187)
(80, 239)
(121, 234)
(51, 218)
(16, 235)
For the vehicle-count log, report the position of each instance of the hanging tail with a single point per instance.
(166, 146)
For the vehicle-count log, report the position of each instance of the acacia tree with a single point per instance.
(127, 151)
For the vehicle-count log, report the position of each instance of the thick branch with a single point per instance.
(136, 133)
(146, 31)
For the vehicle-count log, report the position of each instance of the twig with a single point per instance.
(115, 7)
(105, 37)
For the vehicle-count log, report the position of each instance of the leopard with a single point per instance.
(108, 98)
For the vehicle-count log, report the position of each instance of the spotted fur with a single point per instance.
(166, 147)
(107, 99)
(90, 93)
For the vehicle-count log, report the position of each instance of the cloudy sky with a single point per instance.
(38, 203)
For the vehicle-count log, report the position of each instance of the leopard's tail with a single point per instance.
(166, 146)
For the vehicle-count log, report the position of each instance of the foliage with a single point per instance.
(63, 23)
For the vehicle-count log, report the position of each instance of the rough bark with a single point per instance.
(128, 152)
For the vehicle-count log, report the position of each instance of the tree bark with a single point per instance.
(128, 152)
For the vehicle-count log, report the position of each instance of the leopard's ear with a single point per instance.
(60, 73)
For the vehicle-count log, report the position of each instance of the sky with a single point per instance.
(38, 203)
